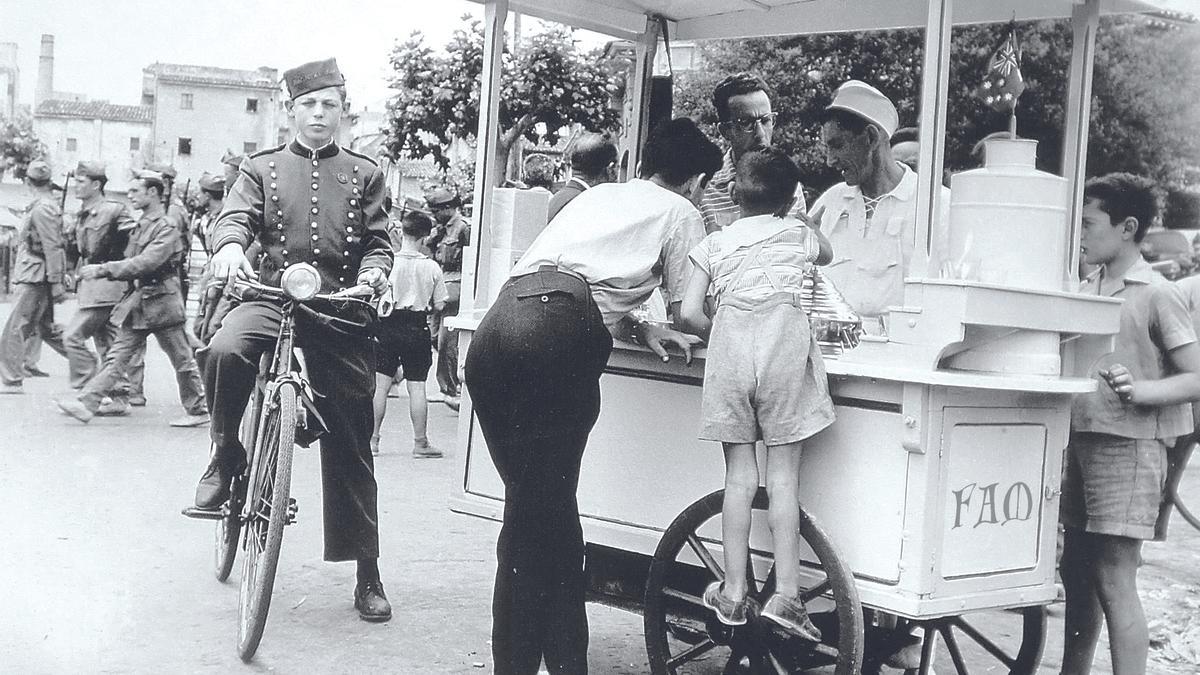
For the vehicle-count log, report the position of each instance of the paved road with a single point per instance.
(100, 573)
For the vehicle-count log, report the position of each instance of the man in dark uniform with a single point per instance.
(151, 306)
(102, 230)
(38, 273)
(229, 166)
(451, 234)
(315, 202)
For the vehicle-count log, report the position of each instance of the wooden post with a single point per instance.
(643, 71)
(488, 141)
(935, 91)
(1085, 20)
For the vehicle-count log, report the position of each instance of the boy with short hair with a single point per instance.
(403, 338)
(1116, 459)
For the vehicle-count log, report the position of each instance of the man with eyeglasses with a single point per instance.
(747, 122)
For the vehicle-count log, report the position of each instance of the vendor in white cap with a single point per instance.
(870, 217)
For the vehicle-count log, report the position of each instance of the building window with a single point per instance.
(185, 101)
(249, 147)
(72, 145)
(251, 105)
(185, 146)
(135, 144)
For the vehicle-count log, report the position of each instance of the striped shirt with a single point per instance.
(792, 250)
(717, 205)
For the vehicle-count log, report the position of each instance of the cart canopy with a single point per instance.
(706, 19)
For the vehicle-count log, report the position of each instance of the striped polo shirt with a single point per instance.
(717, 205)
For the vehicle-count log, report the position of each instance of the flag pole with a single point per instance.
(1012, 123)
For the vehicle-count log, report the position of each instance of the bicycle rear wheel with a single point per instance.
(268, 499)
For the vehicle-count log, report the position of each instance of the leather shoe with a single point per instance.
(137, 401)
(213, 489)
(112, 408)
(34, 371)
(371, 602)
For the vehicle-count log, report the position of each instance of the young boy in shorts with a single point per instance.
(764, 378)
(402, 337)
(1116, 460)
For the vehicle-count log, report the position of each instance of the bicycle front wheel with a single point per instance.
(268, 514)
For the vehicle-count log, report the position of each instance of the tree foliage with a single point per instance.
(1144, 110)
(547, 80)
(18, 145)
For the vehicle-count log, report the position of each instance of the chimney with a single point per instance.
(45, 79)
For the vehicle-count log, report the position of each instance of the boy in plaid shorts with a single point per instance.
(1116, 461)
(402, 338)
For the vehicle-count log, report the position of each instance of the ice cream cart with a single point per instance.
(934, 496)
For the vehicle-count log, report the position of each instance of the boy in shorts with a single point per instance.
(1116, 460)
(402, 337)
(764, 379)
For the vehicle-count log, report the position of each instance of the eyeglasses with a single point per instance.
(751, 123)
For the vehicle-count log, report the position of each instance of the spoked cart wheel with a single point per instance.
(681, 632)
(269, 513)
(1013, 645)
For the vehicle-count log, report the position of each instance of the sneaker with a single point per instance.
(371, 602)
(14, 388)
(190, 420)
(137, 401)
(790, 615)
(423, 450)
(729, 612)
(375, 445)
(75, 408)
(112, 408)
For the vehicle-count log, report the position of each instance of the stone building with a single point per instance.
(199, 112)
(88, 130)
(10, 75)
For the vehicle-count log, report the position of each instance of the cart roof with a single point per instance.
(704, 19)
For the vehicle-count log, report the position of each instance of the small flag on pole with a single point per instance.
(1004, 83)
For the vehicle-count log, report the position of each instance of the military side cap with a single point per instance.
(163, 170)
(439, 197)
(313, 76)
(93, 170)
(210, 183)
(232, 159)
(38, 170)
(867, 102)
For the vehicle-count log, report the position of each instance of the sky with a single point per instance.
(101, 46)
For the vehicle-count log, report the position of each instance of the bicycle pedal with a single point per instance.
(205, 514)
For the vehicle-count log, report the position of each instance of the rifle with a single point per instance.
(186, 234)
(70, 237)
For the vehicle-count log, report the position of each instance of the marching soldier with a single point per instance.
(38, 273)
(310, 201)
(102, 230)
(152, 305)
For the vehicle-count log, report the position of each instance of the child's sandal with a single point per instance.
(730, 612)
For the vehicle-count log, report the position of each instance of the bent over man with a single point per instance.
(308, 201)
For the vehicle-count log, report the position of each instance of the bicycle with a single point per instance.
(1178, 457)
(281, 409)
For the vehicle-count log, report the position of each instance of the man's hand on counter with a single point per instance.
(658, 337)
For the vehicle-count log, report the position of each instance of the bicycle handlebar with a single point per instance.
(357, 292)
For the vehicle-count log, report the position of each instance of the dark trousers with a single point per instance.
(340, 368)
(447, 351)
(533, 372)
(130, 343)
(32, 314)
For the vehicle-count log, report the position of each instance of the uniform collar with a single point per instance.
(324, 152)
(1139, 272)
(904, 190)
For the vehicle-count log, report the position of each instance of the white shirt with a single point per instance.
(625, 240)
(871, 256)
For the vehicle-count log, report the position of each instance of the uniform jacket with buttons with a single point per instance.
(41, 249)
(151, 268)
(323, 207)
(101, 235)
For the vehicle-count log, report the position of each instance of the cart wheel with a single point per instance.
(680, 630)
(1017, 645)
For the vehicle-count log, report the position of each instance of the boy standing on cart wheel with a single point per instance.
(309, 201)
(1116, 460)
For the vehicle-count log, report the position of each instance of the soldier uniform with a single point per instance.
(41, 261)
(102, 230)
(324, 207)
(152, 305)
(447, 242)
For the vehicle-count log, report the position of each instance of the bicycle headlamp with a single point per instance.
(301, 281)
